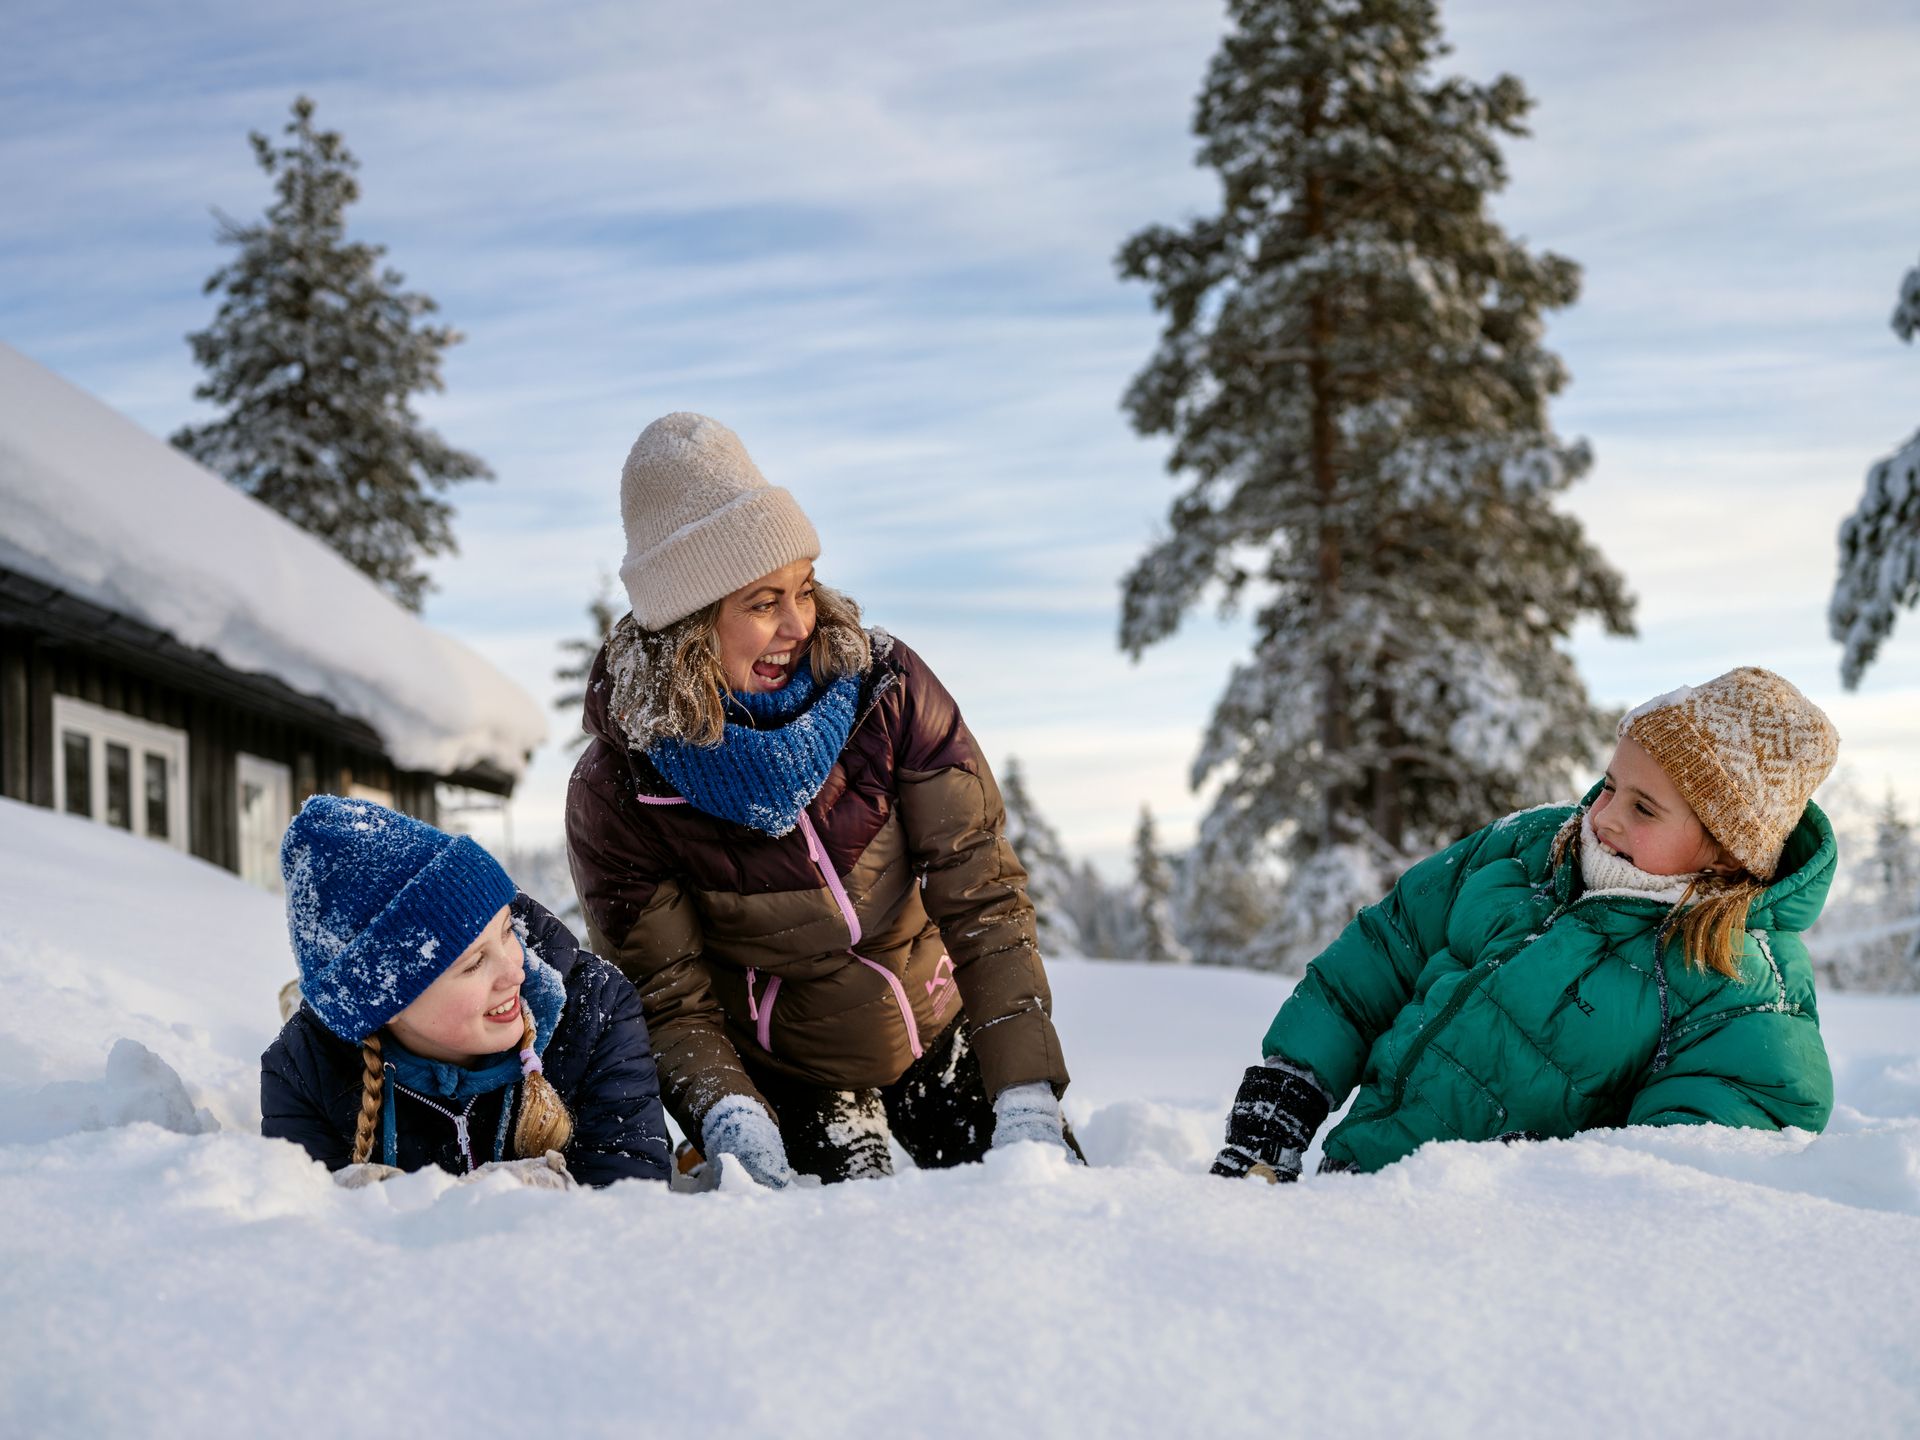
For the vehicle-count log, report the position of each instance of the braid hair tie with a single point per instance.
(529, 1058)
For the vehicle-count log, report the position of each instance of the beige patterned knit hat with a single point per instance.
(701, 520)
(1746, 750)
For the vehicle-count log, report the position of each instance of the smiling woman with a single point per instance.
(786, 836)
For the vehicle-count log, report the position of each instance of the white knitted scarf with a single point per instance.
(1608, 874)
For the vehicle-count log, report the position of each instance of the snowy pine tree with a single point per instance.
(1353, 377)
(1153, 884)
(1050, 875)
(1225, 898)
(1868, 937)
(1880, 541)
(314, 355)
(1895, 862)
(1104, 915)
(602, 613)
(1892, 960)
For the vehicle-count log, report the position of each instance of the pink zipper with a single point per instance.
(817, 853)
(899, 998)
(764, 1034)
(760, 1008)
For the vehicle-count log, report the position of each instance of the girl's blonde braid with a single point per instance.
(371, 1082)
(544, 1123)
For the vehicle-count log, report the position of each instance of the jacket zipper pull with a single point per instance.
(460, 1132)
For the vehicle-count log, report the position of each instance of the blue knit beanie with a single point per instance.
(378, 904)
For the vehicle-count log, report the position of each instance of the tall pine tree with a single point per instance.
(1050, 876)
(1153, 882)
(1353, 378)
(1880, 541)
(315, 354)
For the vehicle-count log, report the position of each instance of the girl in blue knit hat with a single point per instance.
(448, 1019)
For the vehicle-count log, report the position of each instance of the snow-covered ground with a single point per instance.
(194, 1282)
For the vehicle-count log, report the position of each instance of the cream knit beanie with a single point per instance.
(1746, 750)
(701, 520)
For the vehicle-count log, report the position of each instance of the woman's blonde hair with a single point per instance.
(544, 1123)
(669, 683)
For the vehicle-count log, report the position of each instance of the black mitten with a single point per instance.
(1272, 1122)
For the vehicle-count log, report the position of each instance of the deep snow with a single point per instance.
(166, 1283)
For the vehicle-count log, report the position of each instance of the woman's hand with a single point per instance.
(1030, 1112)
(741, 1127)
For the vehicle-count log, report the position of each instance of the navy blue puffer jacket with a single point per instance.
(598, 1060)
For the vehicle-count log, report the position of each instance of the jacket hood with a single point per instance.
(1807, 864)
(596, 715)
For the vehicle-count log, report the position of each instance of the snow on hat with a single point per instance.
(701, 520)
(378, 904)
(1746, 750)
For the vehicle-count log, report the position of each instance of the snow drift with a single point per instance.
(165, 1281)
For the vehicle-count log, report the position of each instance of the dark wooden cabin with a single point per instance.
(103, 715)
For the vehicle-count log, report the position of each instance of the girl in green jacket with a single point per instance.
(1632, 960)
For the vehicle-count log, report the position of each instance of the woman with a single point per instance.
(784, 834)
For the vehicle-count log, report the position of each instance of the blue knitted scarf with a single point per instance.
(771, 761)
(544, 994)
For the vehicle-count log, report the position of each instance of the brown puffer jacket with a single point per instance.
(833, 953)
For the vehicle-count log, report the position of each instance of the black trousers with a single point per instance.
(938, 1111)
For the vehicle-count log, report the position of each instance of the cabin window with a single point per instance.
(126, 772)
(119, 787)
(266, 805)
(156, 792)
(76, 764)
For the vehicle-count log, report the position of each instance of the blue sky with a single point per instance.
(879, 244)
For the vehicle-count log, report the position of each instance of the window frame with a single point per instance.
(103, 727)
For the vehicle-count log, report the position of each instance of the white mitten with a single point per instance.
(367, 1172)
(741, 1127)
(542, 1172)
(1029, 1112)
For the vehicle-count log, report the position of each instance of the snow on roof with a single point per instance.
(95, 505)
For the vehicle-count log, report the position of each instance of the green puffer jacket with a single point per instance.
(1488, 994)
